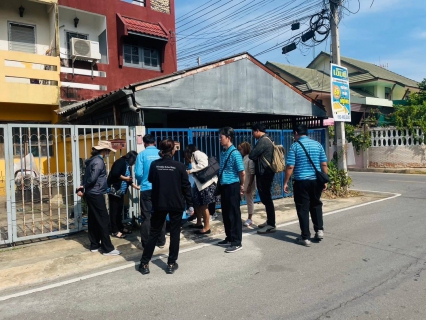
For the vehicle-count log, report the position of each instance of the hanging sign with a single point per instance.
(340, 94)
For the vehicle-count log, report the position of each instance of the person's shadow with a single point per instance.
(283, 235)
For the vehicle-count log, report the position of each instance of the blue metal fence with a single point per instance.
(207, 141)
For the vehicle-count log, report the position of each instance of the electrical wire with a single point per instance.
(240, 27)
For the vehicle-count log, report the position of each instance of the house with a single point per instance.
(29, 61)
(55, 53)
(372, 86)
(234, 91)
(105, 45)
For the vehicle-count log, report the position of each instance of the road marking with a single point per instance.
(406, 181)
(399, 173)
(133, 264)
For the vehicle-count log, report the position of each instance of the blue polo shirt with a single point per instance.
(234, 166)
(296, 157)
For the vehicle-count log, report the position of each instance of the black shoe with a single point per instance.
(144, 268)
(171, 268)
(196, 226)
(201, 232)
(224, 243)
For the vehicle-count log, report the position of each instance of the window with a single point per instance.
(136, 2)
(139, 57)
(22, 38)
(70, 35)
(387, 93)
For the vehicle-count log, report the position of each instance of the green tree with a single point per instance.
(412, 115)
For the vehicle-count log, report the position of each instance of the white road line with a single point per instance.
(133, 264)
(406, 181)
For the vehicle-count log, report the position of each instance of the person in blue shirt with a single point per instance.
(143, 163)
(307, 192)
(232, 177)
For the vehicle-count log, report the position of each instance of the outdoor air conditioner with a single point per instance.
(84, 49)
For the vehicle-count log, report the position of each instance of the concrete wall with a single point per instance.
(397, 157)
(393, 148)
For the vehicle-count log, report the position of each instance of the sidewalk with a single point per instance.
(391, 170)
(53, 260)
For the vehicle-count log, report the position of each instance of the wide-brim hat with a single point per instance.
(102, 145)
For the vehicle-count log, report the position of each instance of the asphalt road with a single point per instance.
(371, 265)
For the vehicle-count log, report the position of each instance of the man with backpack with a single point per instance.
(262, 155)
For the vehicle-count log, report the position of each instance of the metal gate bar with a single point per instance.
(207, 140)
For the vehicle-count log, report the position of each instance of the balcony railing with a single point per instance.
(29, 78)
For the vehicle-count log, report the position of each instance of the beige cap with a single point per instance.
(104, 145)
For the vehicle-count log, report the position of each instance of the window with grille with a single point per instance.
(22, 37)
(139, 57)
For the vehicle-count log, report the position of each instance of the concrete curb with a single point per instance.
(391, 170)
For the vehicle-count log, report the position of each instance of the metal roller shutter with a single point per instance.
(22, 38)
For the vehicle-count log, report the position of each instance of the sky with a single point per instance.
(383, 32)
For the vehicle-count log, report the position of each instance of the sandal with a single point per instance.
(121, 236)
(126, 231)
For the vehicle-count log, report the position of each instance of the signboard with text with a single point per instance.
(340, 94)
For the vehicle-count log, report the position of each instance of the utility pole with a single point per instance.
(339, 126)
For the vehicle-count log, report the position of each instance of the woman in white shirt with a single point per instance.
(249, 183)
(203, 193)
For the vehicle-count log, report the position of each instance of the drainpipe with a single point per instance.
(135, 108)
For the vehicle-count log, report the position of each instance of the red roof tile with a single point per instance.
(148, 28)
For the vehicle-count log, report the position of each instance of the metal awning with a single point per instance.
(143, 28)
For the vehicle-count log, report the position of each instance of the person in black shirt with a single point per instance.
(170, 190)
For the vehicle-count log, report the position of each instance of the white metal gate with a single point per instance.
(40, 168)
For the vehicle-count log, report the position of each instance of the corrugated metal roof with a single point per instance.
(314, 80)
(143, 27)
(170, 77)
(373, 70)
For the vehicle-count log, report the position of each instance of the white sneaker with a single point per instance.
(319, 235)
(112, 253)
(94, 250)
(306, 243)
(248, 223)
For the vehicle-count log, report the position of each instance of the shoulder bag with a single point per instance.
(208, 172)
(218, 185)
(322, 177)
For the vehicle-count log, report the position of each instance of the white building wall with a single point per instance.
(89, 23)
(34, 14)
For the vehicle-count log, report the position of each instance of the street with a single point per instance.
(370, 265)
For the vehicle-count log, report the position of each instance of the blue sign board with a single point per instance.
(340, 94)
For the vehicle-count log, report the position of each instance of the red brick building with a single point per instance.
(108, 44)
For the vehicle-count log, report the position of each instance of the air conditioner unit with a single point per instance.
(84, 49)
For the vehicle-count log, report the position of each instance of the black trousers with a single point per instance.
(98, 223)
(264, 184)
(231, 213)
(307, 195)
(116, 205)
(212, 208)
(158, 220)
(146, 212)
